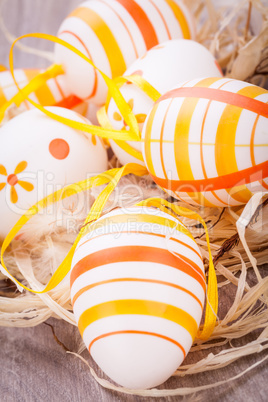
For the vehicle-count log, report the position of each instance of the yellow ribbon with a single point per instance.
(37, 82)
(111, 177)
(126, 135)
(105, 123)
(144, 85)
(102, 115)
(212, 288)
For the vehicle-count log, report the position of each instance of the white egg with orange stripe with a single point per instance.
(38, 156)
(163, 67)
(137, 289)
(205, 141)
(113, 33)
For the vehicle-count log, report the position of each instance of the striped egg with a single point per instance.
(137, 289)
(205, 141)
(163, 66)
(113, 33)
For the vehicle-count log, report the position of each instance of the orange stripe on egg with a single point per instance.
(105, 36)
(166, 338)
(124, 24)
(140, 280)
(137, 254)
(94, 89)
(69, 102)
(138, 307)
(249, 175)
(180, 17)
(143, 22)
(230, 98)
(146, 233)
(162, 18)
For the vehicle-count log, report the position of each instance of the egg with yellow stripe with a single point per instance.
(205, 141)
(113, 33)
(137, 289)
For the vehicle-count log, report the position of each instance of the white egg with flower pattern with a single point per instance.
(163, 67)
(137, 289)
(38, 156)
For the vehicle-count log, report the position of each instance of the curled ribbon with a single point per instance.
(127, 135)
(102, 116)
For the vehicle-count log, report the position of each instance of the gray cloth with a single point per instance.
(33, 366)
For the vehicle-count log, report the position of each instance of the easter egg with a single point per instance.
(113, 34)
(163, 66)
(138, 296)
(38, 156)
(205, 141)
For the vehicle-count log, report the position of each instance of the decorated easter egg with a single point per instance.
(138, 296)
(205, 141)
(163, 66)
(38, 156)
(113, 34)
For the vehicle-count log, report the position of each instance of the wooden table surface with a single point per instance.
(33, 366)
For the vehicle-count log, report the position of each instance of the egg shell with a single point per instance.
(113, 33)
(163, 66)
(137, 289)
(205, 141)
(38, 156)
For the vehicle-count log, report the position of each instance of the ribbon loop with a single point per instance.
(126, 135)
